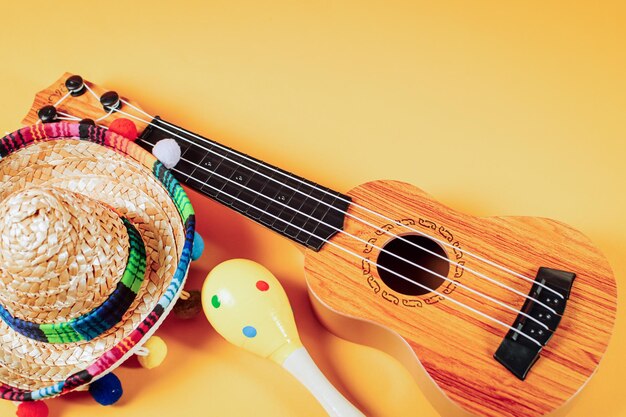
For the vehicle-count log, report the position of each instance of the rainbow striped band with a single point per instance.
(100, 319)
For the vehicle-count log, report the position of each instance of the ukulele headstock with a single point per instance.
(85, 101)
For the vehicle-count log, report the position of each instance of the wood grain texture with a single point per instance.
(85, 106)
(454, 345)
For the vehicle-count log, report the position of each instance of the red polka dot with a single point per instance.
(262, 286)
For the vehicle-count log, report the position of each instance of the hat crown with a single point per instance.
(61, 254)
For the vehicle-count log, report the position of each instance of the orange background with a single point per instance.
(493, 107)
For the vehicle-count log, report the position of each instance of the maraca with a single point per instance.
(246, 304)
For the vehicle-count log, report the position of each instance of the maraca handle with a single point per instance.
(301, 365)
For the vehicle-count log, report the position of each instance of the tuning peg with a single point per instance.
(75, 85)
(47, 114)
(110, 100)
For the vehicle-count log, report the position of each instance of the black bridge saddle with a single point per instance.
(519, 353)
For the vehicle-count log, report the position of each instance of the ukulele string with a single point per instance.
(381, 249)
(443, 296)
(377, 247)
(335, 208)
(425, 287)
(443, 242)
(67, 116)
(444, 258)
(104, 117)
(526, 296)
(62, 99)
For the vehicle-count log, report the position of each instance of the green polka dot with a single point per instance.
(215, 301)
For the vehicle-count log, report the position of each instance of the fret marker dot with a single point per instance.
(262, 286)
(249, 332)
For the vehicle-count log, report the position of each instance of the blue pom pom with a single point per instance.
(106, 390)
(198, 246)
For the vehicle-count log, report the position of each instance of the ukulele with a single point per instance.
(496, 316)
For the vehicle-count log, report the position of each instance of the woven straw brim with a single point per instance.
(131, 189)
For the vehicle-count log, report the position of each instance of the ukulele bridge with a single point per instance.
(519, 353)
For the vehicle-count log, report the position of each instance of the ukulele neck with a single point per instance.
(298, 209)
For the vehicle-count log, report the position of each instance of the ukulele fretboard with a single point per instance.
(288, 204)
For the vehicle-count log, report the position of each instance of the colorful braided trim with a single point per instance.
(100, 319)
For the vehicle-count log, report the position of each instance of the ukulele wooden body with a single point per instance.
(450, 349)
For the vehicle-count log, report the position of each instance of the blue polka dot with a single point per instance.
(249, 331)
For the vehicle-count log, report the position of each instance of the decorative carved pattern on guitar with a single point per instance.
(379, 240)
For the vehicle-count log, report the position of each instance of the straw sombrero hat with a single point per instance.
(95, 243)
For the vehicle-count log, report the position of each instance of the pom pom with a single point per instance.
(190, 307)
(106, 390)
(157, 353)
(167, 151)
(198, 247)
(32, 409)
(125, 128)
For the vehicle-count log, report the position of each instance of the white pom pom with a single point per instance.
(167, 151)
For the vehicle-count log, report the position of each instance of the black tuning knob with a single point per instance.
(75, 85)
(110, 100)
(89, 122)
(47, 114)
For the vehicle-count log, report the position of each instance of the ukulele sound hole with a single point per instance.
(413, 252)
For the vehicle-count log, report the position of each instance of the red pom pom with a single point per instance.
(32, 409)
(125, 128)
